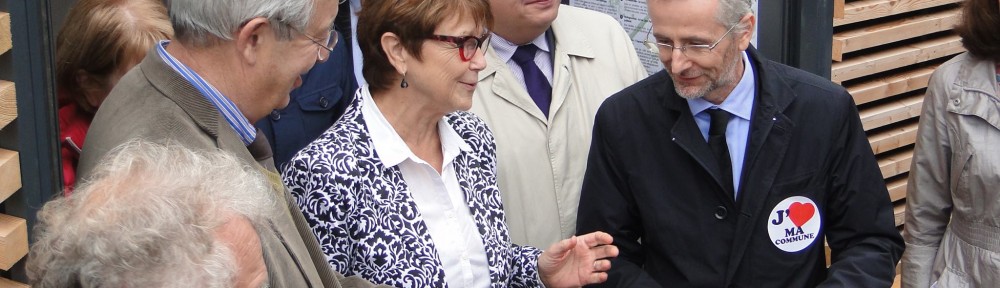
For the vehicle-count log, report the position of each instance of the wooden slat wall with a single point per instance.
(13, 230)
(884, 52)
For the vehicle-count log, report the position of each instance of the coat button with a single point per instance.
(275, 115)
(958, 101)
(323, 102)
(721, 212)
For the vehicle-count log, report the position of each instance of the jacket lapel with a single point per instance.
(506, 87)
(769, 129)
(570, 46)
(687, 135)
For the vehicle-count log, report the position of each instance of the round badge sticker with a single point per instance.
(794, 224)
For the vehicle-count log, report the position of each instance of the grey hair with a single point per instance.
(146, 219)
(731, 11)
(206, 22)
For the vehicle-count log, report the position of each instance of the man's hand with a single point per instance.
(577, 261)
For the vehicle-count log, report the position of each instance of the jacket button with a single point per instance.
(721, 212)
(323, 102)
(275, 115)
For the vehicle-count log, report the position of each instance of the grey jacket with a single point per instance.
(952, 229)
(154, 103)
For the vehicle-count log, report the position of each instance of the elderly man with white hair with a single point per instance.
(157, 216)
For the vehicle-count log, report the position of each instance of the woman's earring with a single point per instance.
(403, 84)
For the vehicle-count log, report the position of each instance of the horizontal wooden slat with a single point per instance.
(897, 189)
(895, 163)
(882, 61)
(13, 240)
(892, 85)
(857, 11)
(8, 103)
(7, 283)
(884, 33)
(5, 36)
(899, 212)
(891, 112)
(893, 138)
(10, 173)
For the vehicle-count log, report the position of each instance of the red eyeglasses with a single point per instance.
(467, 45)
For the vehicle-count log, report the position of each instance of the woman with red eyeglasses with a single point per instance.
(402, 190)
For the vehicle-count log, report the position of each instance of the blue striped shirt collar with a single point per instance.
(226, 107)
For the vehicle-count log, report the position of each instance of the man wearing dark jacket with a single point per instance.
(729, 170)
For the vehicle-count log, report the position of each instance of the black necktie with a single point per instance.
(717, 141)
(538, 87)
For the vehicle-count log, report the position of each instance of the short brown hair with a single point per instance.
(980, 28)
(412, 21)
(100, 35)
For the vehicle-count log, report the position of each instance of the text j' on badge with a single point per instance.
(794, 224)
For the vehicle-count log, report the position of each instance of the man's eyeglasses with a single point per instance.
(327, 44)
(467, 45)
(688, 50)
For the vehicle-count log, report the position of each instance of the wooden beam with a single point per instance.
(13, 240)
(891, 112)
(890, 86)
(897, 189)
(10, 173)
(8, 103)
(884, 33)
(893, 138)
(5, 37)
(897, 57)
(858, 11)
(7, 283)
(895, 163)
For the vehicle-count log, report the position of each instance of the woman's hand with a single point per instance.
(577, 261)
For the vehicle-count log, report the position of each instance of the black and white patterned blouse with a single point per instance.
(367, 222)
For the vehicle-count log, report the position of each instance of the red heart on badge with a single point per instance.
(800, 213)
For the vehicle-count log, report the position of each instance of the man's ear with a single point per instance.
(394, 50)
(251, 36)
(747, 35)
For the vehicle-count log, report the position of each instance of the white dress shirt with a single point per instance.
(440, 201)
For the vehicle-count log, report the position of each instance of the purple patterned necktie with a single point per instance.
(538, 87)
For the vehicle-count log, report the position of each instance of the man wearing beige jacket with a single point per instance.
(549, 67)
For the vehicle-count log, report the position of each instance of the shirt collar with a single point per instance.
(391, 148)
(244, 129)
(740, 100)
(505, 49)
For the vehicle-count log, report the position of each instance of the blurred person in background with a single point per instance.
(156, 216)
(953, 203)
(99, 42)
(402, 190)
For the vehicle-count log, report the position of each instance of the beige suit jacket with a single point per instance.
(154, 103)
(541, 160)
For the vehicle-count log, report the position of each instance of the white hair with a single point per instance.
(204, 22)
(731, 11)
(146, 219)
